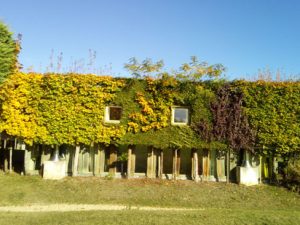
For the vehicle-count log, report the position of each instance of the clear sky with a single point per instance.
(243, 35)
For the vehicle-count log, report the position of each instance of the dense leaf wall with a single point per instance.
(69, 109)
(273, 110)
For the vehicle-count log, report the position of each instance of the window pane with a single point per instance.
(180, 115)
(115, 113)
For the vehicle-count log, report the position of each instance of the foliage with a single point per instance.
(143, 69)
(273, 111)
(169, 137)
(294, 178)
(155, 103)
(192, 71)
(230, 125)
(9, 50)
(69, 109)
(147, 112)
(56, 109)
(195, 70)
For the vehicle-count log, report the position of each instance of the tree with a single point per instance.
(195, 70)
(144, 69)
(9, 49)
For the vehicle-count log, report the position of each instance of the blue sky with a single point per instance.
(244, 36)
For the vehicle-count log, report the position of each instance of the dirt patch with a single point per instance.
(85, 207)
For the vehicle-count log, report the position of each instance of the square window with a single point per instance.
(180, 116)
(113, 114)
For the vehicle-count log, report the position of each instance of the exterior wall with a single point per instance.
(96, 161)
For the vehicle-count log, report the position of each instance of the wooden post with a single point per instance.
(101, 152)
(175, 163)
(129, 161)
(75, 162)
(5, 157)
(158, 162)
(195, 174)
(221, 169)
(196, 166)
(208, 163)
(10, 159)
(133, 158)
(260, 169)
(205, 163)
(212, 164)
(93, 159)
(228, 166)
(150, 163)
(161, 163)
(192, 165)
(113, 158)
(96, 160)
(178, 161)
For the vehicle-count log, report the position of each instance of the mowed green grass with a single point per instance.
(210, 216)
(218, 203)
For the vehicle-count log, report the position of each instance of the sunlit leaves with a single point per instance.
(191, 71)
(273, 109)
(58, 109)
(9, 50)
(146, 68)
(196, 70)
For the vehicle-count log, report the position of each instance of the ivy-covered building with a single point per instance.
(164, 128)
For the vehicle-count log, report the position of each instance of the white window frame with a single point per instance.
(173, 116)
(107, 114)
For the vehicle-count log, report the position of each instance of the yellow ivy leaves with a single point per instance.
(273, 109)
(58, 109)
(19, 116)
(155, 106)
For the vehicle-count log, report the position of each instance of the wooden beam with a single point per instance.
(260, 169)
(158, 162)
(178, 162)
(5, 143)
(204, 163)
(129, 162)
(75, 162)
(150, 162)
(101, 152)
(213, 164)
(5, 156)
(192, 165)
(161, 164)
(10, 159)
(93, 158)
(221, 168)
(174, 172)
(228, 166)
(96, 159)
(195, 173)
(133, 158)
(113, 158)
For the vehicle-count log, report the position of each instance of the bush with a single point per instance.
(293, 176)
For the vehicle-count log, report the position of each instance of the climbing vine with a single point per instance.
(273, 109)
(58, 109)
(69, 109)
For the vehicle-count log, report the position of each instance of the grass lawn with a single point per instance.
(219, 203)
